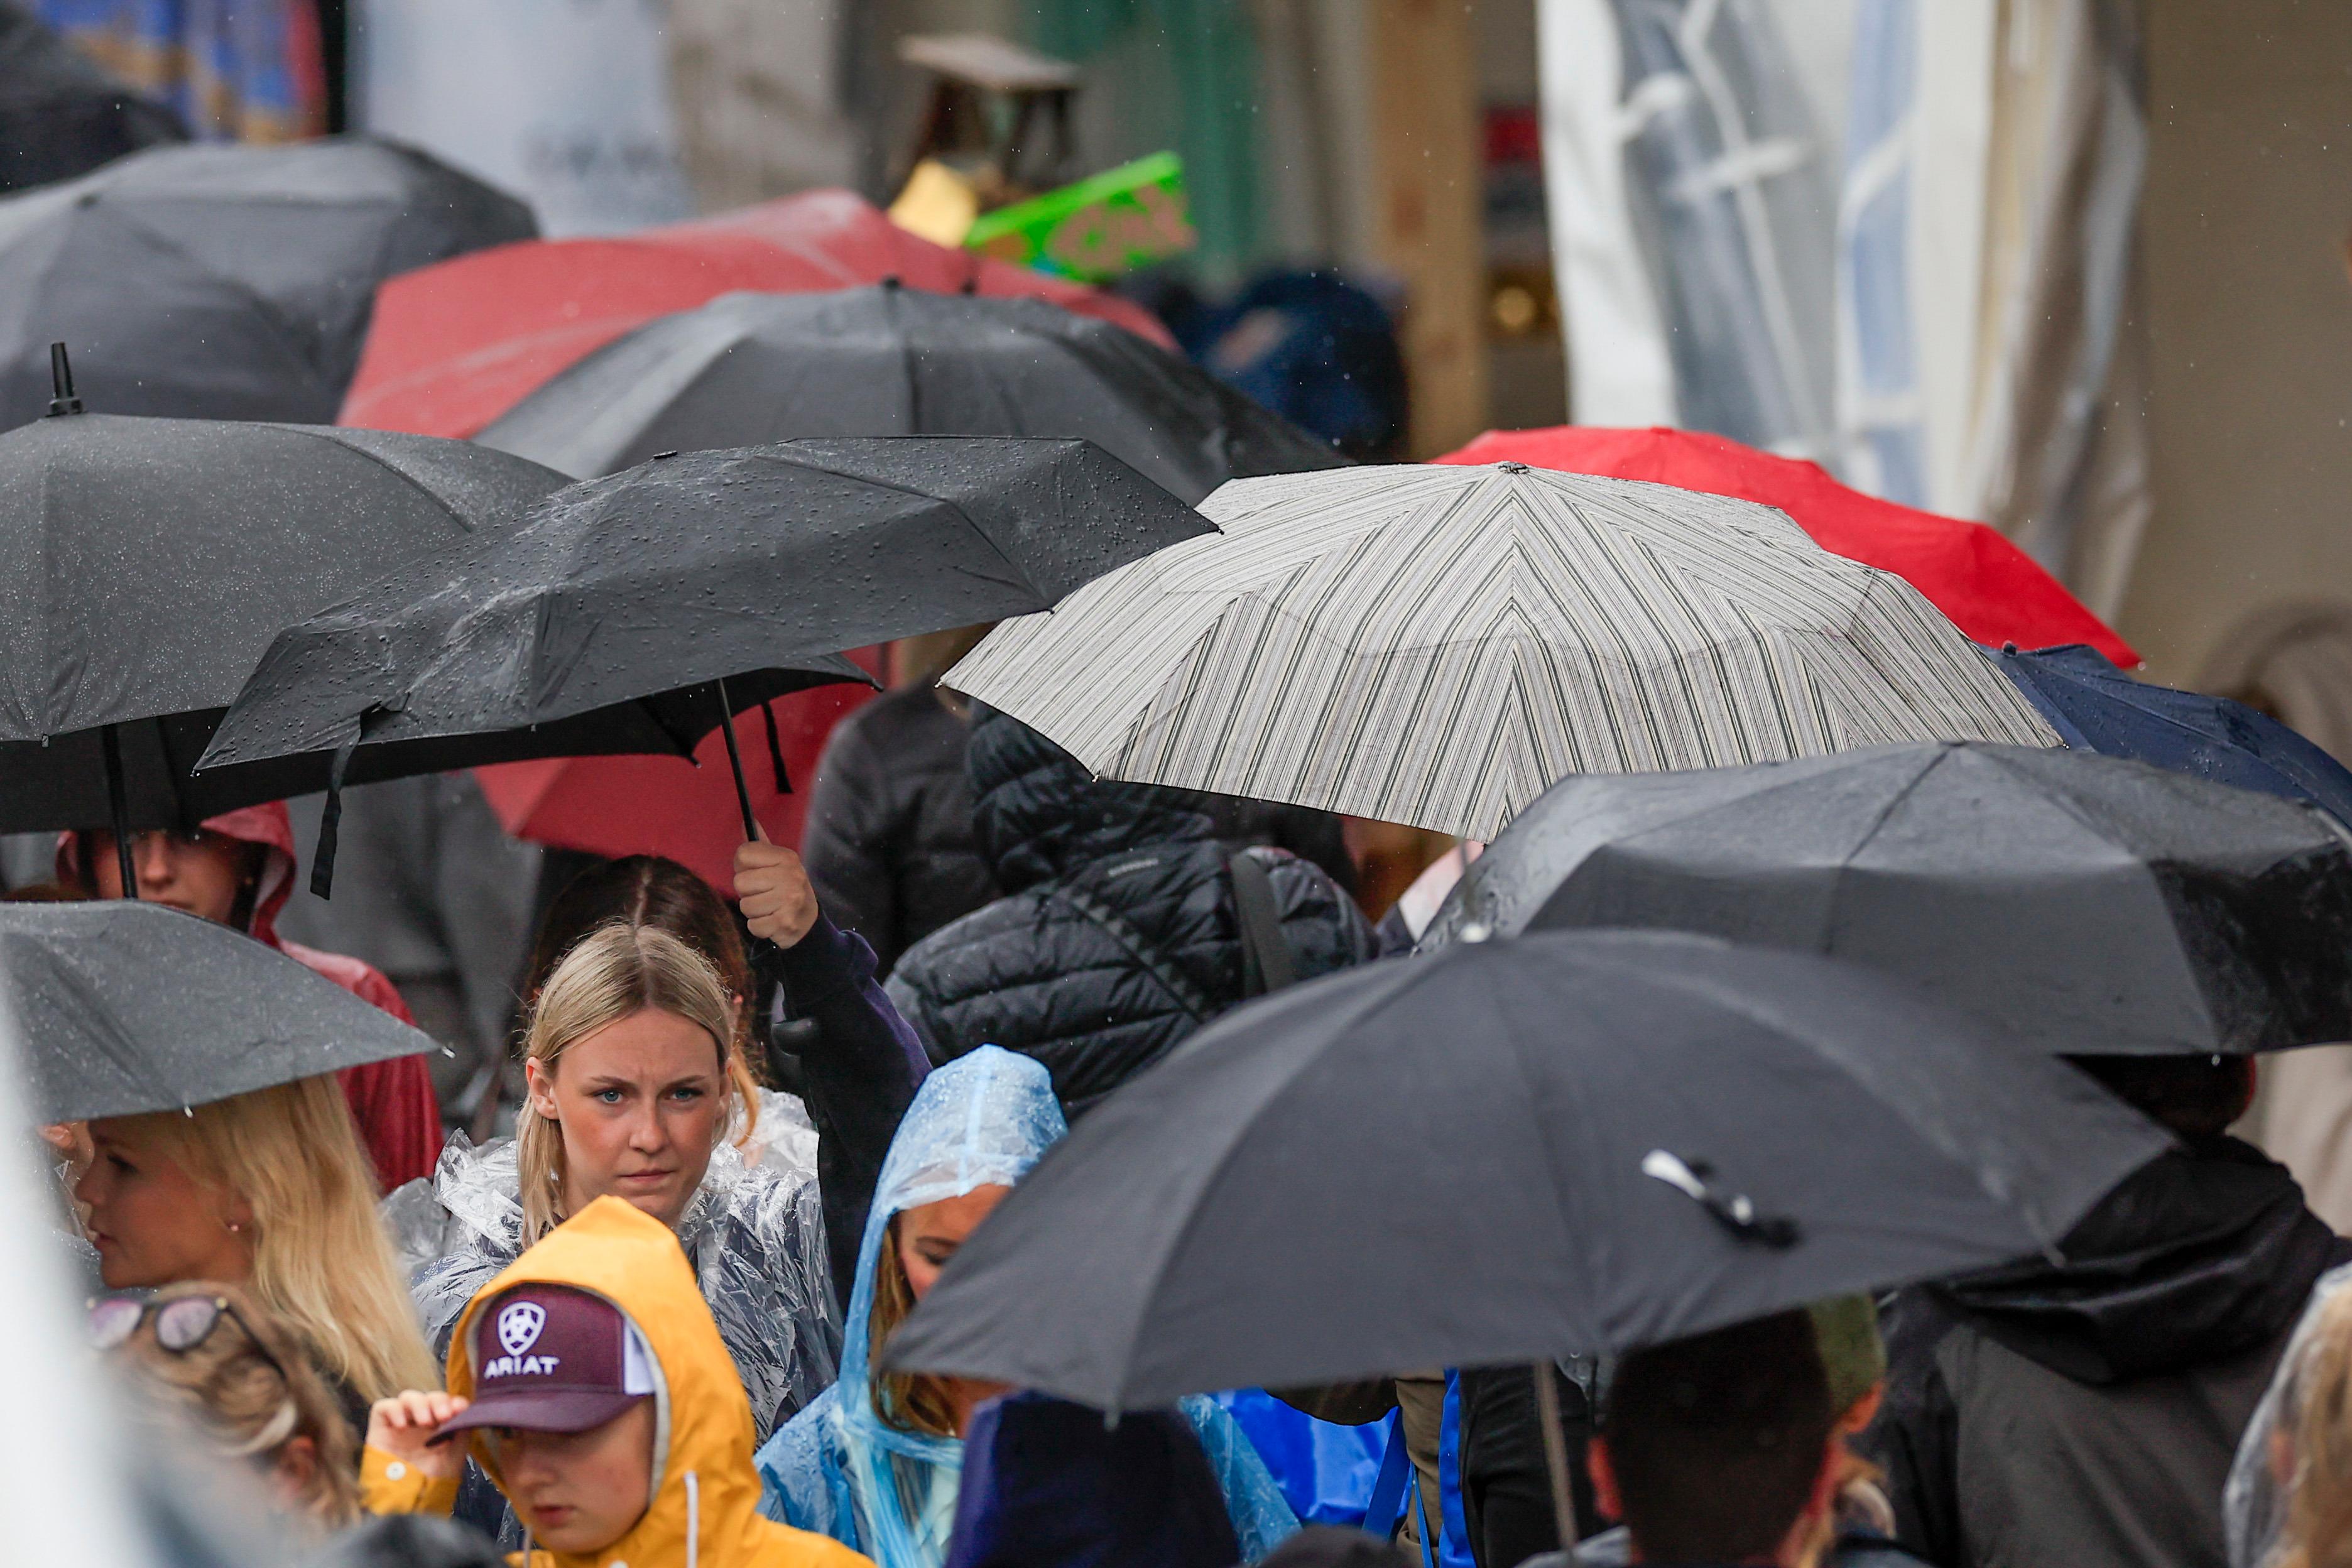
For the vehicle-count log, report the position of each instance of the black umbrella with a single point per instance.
(60, 115)
(749, 369)
(225, 283)
(119, 1008)
(151, 561)
(2086, 904)
(1574, 1143)
(634, 613)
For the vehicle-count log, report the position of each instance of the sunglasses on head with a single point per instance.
(181, 1324)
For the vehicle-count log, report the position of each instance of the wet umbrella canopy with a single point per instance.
(2086, 904)
(225, 282)
(609, 617)
(1616, 1138)
(123, 1007)
(749, 369)
(150, 562)
(2095, 707)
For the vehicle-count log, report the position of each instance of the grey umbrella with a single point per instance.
(1574, 1143)
(633, 613)
(747, 369)
(121, 1007)
(209, 281)
(2086, 904)
(150, 561)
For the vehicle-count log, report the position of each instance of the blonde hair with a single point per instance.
(614, 973)
(2317, 1417)
(321, 1259)
(251, 1386)
(909, 1401)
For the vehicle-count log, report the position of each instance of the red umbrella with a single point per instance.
(1992, 590)
(667, 805)
(455, 345)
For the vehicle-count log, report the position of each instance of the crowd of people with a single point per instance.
(643, 1322)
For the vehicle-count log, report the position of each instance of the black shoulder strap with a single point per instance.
(1266, 962)
(1115, 925)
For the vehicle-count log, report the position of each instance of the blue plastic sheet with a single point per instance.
(1325, 1470)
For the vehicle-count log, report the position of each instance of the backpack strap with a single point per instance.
(1267, 960)
(1137, 947)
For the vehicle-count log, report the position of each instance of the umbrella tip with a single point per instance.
(658, 456)
(61, 387)
(2008, 648)
(891, 280)
(1512, 467)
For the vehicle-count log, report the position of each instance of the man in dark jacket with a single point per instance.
(1117, 935)
(888, 841)
(2084, 1410)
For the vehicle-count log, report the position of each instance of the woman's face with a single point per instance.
(151, 1222)
(641, 1103)
(200, 872)
(930, 1234)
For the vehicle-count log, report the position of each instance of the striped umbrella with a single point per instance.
(1436, 646)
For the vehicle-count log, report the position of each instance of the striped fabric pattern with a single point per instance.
(1436, 646)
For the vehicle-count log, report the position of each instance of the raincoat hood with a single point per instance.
(984, 1120)
(267, 824)
(1038, 813)
(705, 1508)
(2206, 1251)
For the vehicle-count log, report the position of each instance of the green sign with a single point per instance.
(1101, 226)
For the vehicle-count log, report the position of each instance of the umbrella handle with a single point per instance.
(1554, 1441)
(118, 809)
(735, 761)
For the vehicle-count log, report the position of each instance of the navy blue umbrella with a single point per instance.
(2096, 706)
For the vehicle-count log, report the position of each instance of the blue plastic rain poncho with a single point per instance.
(837, 1468)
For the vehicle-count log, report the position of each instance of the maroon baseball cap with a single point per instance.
(550, 1358)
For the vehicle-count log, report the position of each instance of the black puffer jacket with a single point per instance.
(1097, 997)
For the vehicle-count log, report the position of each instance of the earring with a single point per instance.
(234, 1226)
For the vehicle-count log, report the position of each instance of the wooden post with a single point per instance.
(1428, 216)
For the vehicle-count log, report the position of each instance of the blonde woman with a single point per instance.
(637, 1090)
(271, 1191)
(213, 1357)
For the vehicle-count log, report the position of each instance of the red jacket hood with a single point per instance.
(266, 825)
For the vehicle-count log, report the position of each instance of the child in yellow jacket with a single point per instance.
(591, 1383)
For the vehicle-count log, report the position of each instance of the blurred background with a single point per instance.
(2076, 267)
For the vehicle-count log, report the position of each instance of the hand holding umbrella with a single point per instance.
(772, 888)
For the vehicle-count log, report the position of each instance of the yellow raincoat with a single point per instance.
(634, 1261)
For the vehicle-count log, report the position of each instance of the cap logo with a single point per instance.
(519, 1325)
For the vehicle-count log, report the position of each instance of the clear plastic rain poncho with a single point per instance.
(837, 1468)
(754, 1232)
(2271, 1473)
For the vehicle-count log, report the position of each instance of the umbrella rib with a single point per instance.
(326, 434)
(279, 326)
(774, 456)
(1215, 1169)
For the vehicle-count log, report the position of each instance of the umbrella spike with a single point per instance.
(62, 399)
